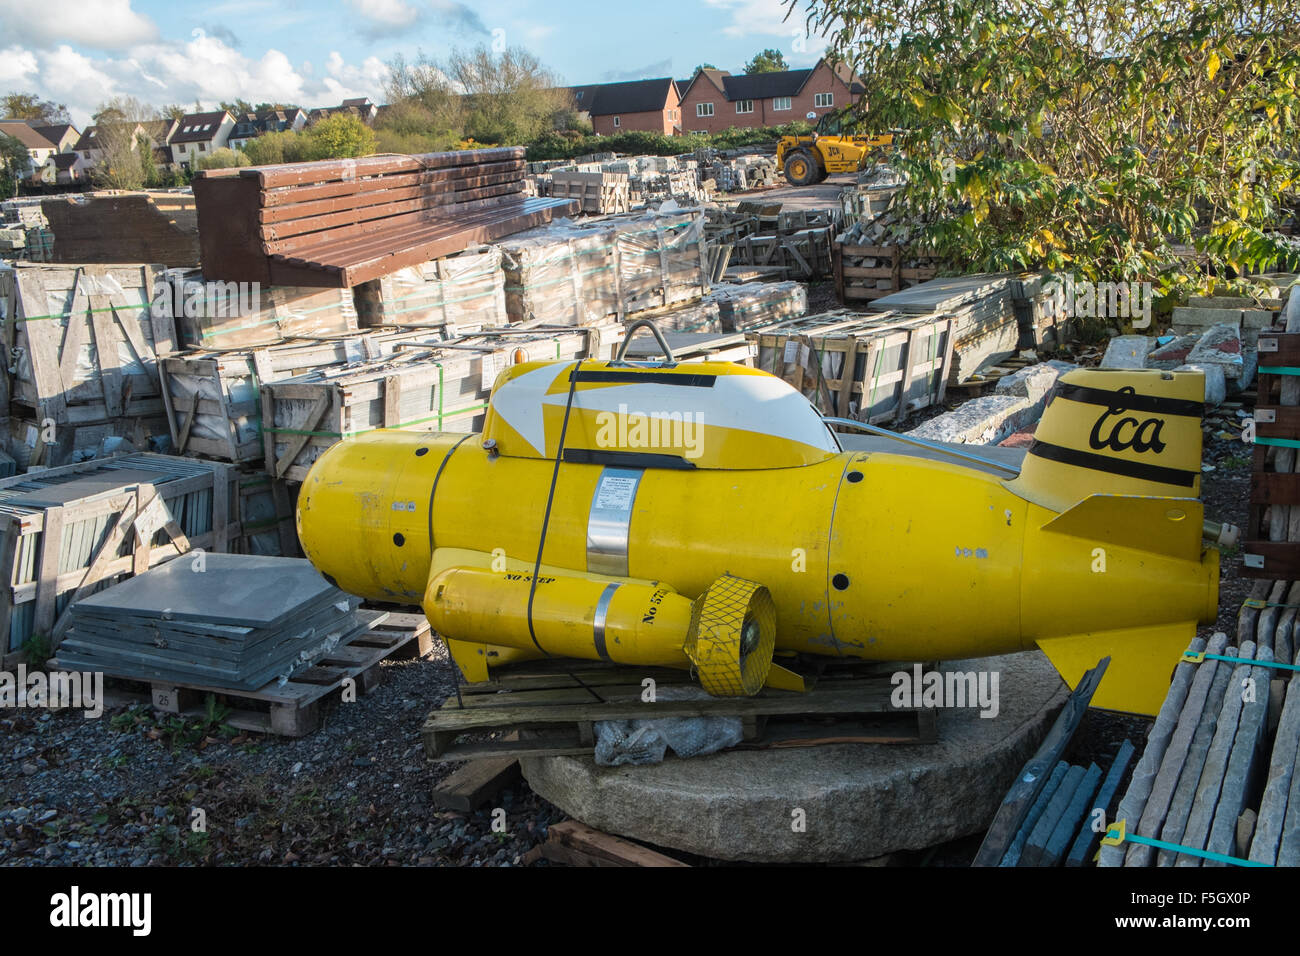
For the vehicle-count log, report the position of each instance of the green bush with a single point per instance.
(566, 145)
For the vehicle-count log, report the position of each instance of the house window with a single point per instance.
(823, 100)
(203, 147)
(780, 103)
(616, 123)
(703, 109)
(744, 106)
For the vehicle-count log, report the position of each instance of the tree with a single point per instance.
(224, 158)
(509, 97)
(1085, 137)
(126, 151)
(173, 111)
(238, 107)
(14, 164)
(703, 66)
(341, 136)
(25, 106)
(425, 110)
(768, 61)
(270, 149)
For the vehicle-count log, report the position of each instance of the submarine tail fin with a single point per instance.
(1142, 660)
(1116, 433)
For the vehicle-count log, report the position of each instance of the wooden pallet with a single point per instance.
(576, 844)
(553, 706)
(291, 709)
(855, 284)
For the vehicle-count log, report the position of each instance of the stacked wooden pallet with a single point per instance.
(343, 222)
(594, 272)
(82, 344)
(443, 387)
(870, 368)
(69, 531)
(1272, 535)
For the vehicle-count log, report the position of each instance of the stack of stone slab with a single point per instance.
(1058, 829)
(227, 620)
(1016, 404)
(734, 307)
(600, 192)
(590, 273)
(1222, 723)
(985, 329)
(457, 294)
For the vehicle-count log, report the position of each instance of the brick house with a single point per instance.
(716, 100)
(646, 105)
(251, 125)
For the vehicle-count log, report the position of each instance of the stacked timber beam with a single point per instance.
(344, 222)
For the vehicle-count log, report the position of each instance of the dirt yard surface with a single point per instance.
(123, 789)
(820, 196)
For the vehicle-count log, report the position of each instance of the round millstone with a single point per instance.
(858, 801)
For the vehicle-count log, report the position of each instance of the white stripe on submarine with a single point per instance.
(755, 403)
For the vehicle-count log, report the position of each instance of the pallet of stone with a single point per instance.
(66, 532)
(213, 398)
(457, 294)
(83, 341)
(1269, 549)
(443, 387)
(753, 304)
(866, 272)
(896, 364)
(293, 708)
(599, 192)
(694, 346)
(550, 708)
(151, 226)
(591, 272)
(338, 223)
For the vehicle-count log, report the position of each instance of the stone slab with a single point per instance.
(1128, 352)
(986, 420)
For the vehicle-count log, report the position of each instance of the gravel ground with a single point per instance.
(121, 790)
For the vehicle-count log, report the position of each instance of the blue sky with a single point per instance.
(316, 52)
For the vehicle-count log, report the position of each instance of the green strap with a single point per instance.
(1278, 370)
(1190, 851)
(1279, 442)
(1239, 660)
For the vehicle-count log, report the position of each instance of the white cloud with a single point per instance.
(204, 69)
(97, 24)
(386, 15)
(766, 19)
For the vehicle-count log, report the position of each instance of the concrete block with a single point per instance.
(1221, 345)
(981, 421)
(1033, 382)
(1169, 357)
(1128, 351)
(1216, 385)
(1186, 319)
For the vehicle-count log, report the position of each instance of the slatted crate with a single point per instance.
(84, 341)
(444, 388)
(855, 283)
(70, 531)
(1277, 430)
(456, 294)
(213, 402)
(896, 363)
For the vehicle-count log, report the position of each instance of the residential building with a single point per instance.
(715, 100)
(39, 149)
(62, 135)
(90, 146)
(648, 105)
(360, 107)
(199, 135)
(252, 125)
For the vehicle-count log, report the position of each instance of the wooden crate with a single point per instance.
(84, 341)
(213, 402)
(602, 193)
(31, 442)
(67, 532)
(229, 315)
(862, 283)
(444, 388)
(897, 363)
(550, 708)
(803, 254)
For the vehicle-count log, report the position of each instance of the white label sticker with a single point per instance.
(791, 349)
(615, 493)
(404, 506)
